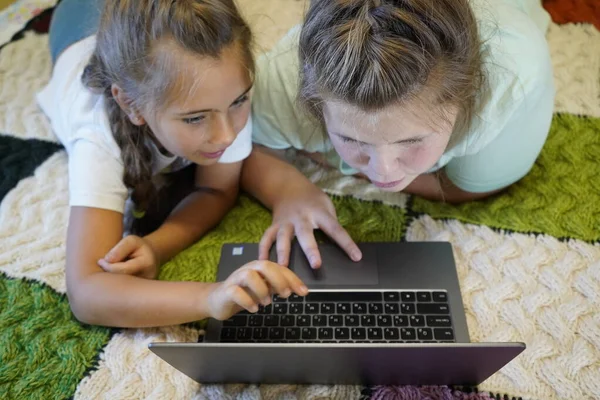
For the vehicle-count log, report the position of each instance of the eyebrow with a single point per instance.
(361, 142)
(186, 113)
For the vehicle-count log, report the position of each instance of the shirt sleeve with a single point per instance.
(241, 147)
(278, 121)
(510, 156)
(95, 177)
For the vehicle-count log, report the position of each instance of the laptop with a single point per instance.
(396, 317)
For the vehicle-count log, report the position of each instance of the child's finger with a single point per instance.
(331, 226)
(130, 267)
(294, 282)
(271, 273)
(240, 297)
(306, 237)
(255, 285)
(123, 249)
(284, 240)
(266, 242)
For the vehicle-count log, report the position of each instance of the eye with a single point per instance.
(194, 120)
(240, 101)
(347, 140)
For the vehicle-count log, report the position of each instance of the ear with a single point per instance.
(125, 104)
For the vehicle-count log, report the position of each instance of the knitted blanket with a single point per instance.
(528, 260)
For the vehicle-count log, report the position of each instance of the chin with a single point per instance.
(205, 162)
(393, 187)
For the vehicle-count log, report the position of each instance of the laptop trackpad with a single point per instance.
(337, 269)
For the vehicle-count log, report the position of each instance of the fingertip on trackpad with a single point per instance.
(337, 269)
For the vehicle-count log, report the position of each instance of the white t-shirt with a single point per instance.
(79, 119)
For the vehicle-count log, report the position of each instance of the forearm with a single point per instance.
(437, 187)
(265, 176)
(190, 220)
(127, 301)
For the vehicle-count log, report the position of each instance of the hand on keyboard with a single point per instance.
(250, 286)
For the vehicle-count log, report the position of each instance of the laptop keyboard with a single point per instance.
(346, 317)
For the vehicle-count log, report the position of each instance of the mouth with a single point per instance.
(216, 154)
(387, 185)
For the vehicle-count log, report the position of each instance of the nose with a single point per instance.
(223, 133)
(383, 164)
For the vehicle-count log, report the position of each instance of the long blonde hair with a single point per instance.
(126, 55)
(375, 53)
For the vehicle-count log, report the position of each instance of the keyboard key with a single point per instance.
(391, 308)
(228, 333)
(443, 334)
(255, 320)
(424, 334)
(408, 334)
(325, 333)
(336, 320)
(440, 297)
(351, 320)
(244, 333)
(375, 333)
(384, 320)
(303, 320)
(311, 308)
(260, 333)
(276, 333)
(294, 298)
(358, 333)
(408, 308)
(375, 308)
(407, 296)
(319, 320)
(417, 320)
(279, 308)
(265, 310)
(424, 297)
(391, 334)
(433, 308)
(277, 299)
(343, 308)
(296, 308)
(292, 333)
(309, 333)
(271, 320)
(288, 320)
(236, 320)
(336, 297)
(391, 296)
(400, 320)
(342, 333)
(359, 308)
(436, 321)
(367, 320)
(327, 308)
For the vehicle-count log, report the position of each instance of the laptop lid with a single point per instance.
(370, 364)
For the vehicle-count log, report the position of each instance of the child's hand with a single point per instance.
(133, 255)
(250, 286)
(303, 209)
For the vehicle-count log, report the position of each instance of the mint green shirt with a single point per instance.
(505, 137)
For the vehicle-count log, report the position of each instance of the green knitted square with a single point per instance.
(365, 221)
(44, 351)
(560, 196)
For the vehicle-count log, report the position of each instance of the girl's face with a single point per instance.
(212, 107)
(391, 146)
